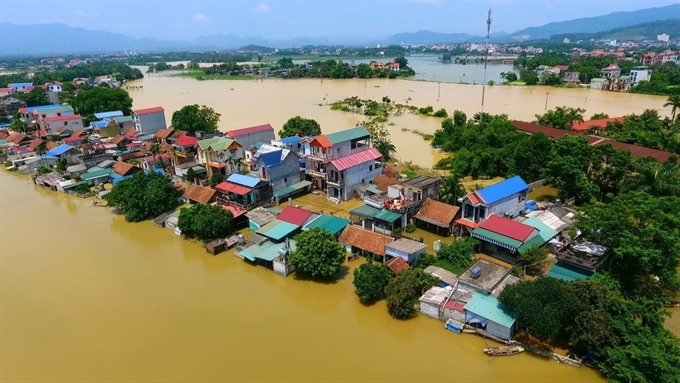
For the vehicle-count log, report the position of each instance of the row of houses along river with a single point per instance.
(88, 297)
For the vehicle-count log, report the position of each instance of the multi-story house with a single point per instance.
(611, 72)
(248, 137)
(280, 167)
(639, 73)
(70, 122)
(219, 155)
(341, 161)
(149, 121)
(505, 199)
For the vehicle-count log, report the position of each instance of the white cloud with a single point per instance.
(261, 8)
(201, 19)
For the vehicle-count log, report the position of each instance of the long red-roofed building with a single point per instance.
(250, 136)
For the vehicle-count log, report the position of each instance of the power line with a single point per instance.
(486, 59)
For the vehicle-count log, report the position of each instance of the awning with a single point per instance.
(294, 188)
(465, 222)
(228, 187)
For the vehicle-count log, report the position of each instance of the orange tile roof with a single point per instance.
(438, 213)
(397, 265)
(51, 145)
(321, 141)
(123, 168)
(599, 123)
(383, 182)
(163, 133)
(364, 239)
(199, 194)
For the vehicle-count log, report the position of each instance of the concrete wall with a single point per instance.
(446, 314)
(355, 176)
(68, 124)
(498, 330)
(152, 122)
(410, 258)
(285, 174)
(249, 140)
(429, 309)
(510, 205)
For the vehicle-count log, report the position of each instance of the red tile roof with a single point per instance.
(228, 187)
(51, 145)
(600, 123)
(468, 223)
(163, 133)
(117, 139)
(186, 141)
(250, 130)
(199, 194)
(34, 143)
(294, 215)
(355, 159)
(638, 151)
(364, 239)
(15, 137)
(123, 168)
(397, 264)
(473, 198)
(383, 182)
(148, 110)
(438, 213)
(321, 141)
(72, 138)
(507, 227)
(62, 118)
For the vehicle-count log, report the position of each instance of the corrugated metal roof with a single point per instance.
(495, 237)
(507, 227)
(328, 222)
(244, 180)
(546, 232)
(272, 158)
(61, 149)
(96, 174)
(229, 187)
(113, 113)
(489, 307)
(568, 273)
(294, 215)
(503, 189)
(253, 129)
(355, 159)
(321, 141)
(348, 134)
(149, 110)
(277, 229)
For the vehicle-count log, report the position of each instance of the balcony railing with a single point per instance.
(335, 181)
(317, 173)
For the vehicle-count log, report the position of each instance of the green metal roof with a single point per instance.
(535, 240)
(76, 168)
(96, 174)
(277, 229)
(567, 272)
(291, 189)
(495, 237)
(348, 134)
(329, 222)
(217, 144)
(387, 215)
(268, 251)
(366, 211)
(73, 185)
(120, 119)
(545, 231)
(489, 307)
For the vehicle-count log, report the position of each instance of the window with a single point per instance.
(285, 179)
(370, 168)
(65, 123)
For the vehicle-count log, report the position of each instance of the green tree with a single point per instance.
(18, 125)
(156, 150)
(35, 97)
(533, 258)
(216, 179)
(385, 147)
(451, 189)
(509, 76)
(285, 62)
(317, 253)
(441, 113)
(459, 253)
(650, 176)
(300, 126)
(191, 175)
(100, 98)
(403, 62)
(528, 76)
(61, 165)
(404, 290)
(143, 196)
(195, 118)
(205, 222)
(40, 150)
(530, 156)
(599, 116)
(370, 280)
(674, 103)
(562, 117)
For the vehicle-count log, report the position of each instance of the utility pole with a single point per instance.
(546, 100)
(486, 59)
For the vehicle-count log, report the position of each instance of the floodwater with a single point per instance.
(87, 297)
(248, 103)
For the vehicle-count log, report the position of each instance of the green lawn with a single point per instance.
(517, 83)
(199, 75)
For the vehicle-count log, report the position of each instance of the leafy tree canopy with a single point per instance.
(35, 97)
(205, 222)
(143, 196)
(195, 118)
(370, 280)
(300, 126)
(404, 290)
(101, 98)
(317, 253)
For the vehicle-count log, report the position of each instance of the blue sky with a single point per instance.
(173, 19)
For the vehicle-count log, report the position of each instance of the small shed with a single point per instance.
(446, 277)
(407, 249)
(397, 265)
(488, 313)
(436, 215)
(430, 301)
(259, 217)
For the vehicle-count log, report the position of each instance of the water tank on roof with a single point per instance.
(476, 272)
(283, 252)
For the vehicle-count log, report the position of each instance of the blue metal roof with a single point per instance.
(20, 84)
(5, 125)
(240, 179)
(99, 124)
(59, 150)
(503, 189)
(271, 158)
(290, 140)
(32, 108)
(114, 113)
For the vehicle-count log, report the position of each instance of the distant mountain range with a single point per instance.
(639, 32)
(48, 39)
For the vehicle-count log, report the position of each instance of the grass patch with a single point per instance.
(199, 75)
(446, 265)
(425, 136)
(517, 83)
(409, 174)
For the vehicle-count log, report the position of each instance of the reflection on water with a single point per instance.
(248, 103)
(88, 297)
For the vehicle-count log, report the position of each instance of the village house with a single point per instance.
(341, 161)
(504, 198)
(184, 157)
(378, 219)
(335, 225)
(571, 78)
(594, 126)
(280, 167)
(149, 120)
(71, 122)
(244, 191)
(53, 86)
(248, 137)
(364, 242)
(299, 145)
(486, 312)
(10, 105)
(578, 261)
(437, 215)
(123, 169)
(397, 265)
(26, 113)
(640, 73)
(67, 152)
(611, 72)
(406, 249)
(20, 86)
(219, 155)
(200, 194)
(106, 128)
(599, 83)
(259, 217)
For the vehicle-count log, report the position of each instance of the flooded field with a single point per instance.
(88, 297)
(247, 103)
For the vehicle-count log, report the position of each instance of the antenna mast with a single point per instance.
(486, 58)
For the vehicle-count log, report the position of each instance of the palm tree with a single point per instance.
(156, 150)
(650, 176)
(385, 147)
(450, 189)
(674, 102)
(40, 150)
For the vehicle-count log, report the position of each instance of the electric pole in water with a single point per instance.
(486, 58)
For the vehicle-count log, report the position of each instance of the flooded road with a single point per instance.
(88, 297)
(247, 103)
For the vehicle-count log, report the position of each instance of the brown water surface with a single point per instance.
(87, 297)
(246, 103)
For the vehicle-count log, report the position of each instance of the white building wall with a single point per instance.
(512, 205)
(357, 175)
(429, 309)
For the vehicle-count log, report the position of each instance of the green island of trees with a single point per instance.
(205, 222)
(143, 196)
(195, 118)
(403, 291)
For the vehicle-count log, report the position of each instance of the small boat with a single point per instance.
(454, 326)
(503, 350)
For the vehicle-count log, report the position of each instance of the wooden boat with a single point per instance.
(503, 350)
